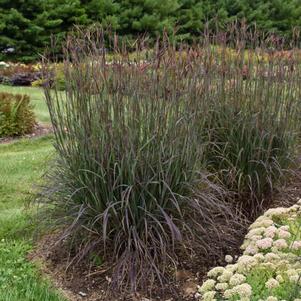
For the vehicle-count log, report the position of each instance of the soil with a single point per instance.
(90, 284)
(82, 282)
(39, 130)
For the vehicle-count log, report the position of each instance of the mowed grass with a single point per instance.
(22, 164)
(37, 100)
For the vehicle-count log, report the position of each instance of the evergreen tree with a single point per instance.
(105, 12)
(190, 19)
(18, 32)
(26, 25)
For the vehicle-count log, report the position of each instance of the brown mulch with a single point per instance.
(82, 282)
(87, 283)
(39, 130)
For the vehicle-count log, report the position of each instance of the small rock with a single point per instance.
(197, 296)
(82, 294)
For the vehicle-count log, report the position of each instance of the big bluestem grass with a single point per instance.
(129, 184)
(253, 95)
(136, 138)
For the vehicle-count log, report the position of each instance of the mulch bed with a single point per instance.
(82, 282)
(87, 283)
(39, 130)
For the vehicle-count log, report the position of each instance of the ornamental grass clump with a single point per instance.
(128, 185)
(154, 147)
(253, 97)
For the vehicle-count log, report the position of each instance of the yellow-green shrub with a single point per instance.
(16, 115)
(38, 83)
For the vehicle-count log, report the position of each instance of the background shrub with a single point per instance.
(16, 115)
(19, 74)
(55, 77)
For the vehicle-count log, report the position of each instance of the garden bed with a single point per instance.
(84, 282)
(91, 283)
(161, 168)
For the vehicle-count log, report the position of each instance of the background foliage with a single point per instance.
(16, 115)
(27, 25)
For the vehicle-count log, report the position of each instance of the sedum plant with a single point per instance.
(269, 268)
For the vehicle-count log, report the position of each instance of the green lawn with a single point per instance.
(22, 164)
(37, 99)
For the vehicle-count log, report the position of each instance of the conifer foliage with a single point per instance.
(26, 26)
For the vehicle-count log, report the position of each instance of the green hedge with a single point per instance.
(16, 115)
(26, 26)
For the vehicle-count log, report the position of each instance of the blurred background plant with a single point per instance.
(18, 74)
(16, 115)
(26, 26)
